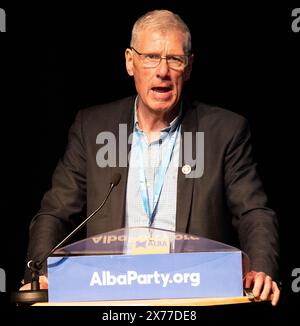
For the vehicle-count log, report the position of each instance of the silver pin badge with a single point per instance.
(186, 169)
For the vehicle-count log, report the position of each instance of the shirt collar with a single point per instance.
(173, 124)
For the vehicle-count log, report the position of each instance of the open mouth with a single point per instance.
(161, 89)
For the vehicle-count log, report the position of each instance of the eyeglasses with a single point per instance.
(152, 60)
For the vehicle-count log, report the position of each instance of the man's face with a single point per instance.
(159, 88)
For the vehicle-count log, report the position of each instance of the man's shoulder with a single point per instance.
(107, 116)
(112, 109)
(209, 110)
(216, 115)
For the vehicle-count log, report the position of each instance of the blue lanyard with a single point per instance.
(159, 180)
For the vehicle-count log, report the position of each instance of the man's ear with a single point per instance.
(129, 61)
(188, 69)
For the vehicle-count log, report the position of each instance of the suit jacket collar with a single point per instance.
(118, 196)
(184, 184)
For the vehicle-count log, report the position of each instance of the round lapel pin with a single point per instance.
(186, 169)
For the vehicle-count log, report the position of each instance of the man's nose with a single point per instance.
(163, 68)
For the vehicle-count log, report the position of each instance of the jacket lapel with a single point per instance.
(118, 195)
(184, 184)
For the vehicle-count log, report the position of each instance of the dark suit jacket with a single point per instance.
(228, 195)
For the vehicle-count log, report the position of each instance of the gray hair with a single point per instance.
(162, 20)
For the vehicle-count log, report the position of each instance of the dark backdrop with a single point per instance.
(58, 60)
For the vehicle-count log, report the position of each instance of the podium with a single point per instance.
(146, 266)
(160, 302)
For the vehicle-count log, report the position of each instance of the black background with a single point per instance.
(57, 60)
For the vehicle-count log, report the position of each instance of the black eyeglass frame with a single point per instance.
(182, 58)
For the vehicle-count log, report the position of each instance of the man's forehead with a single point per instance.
(151, 39)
